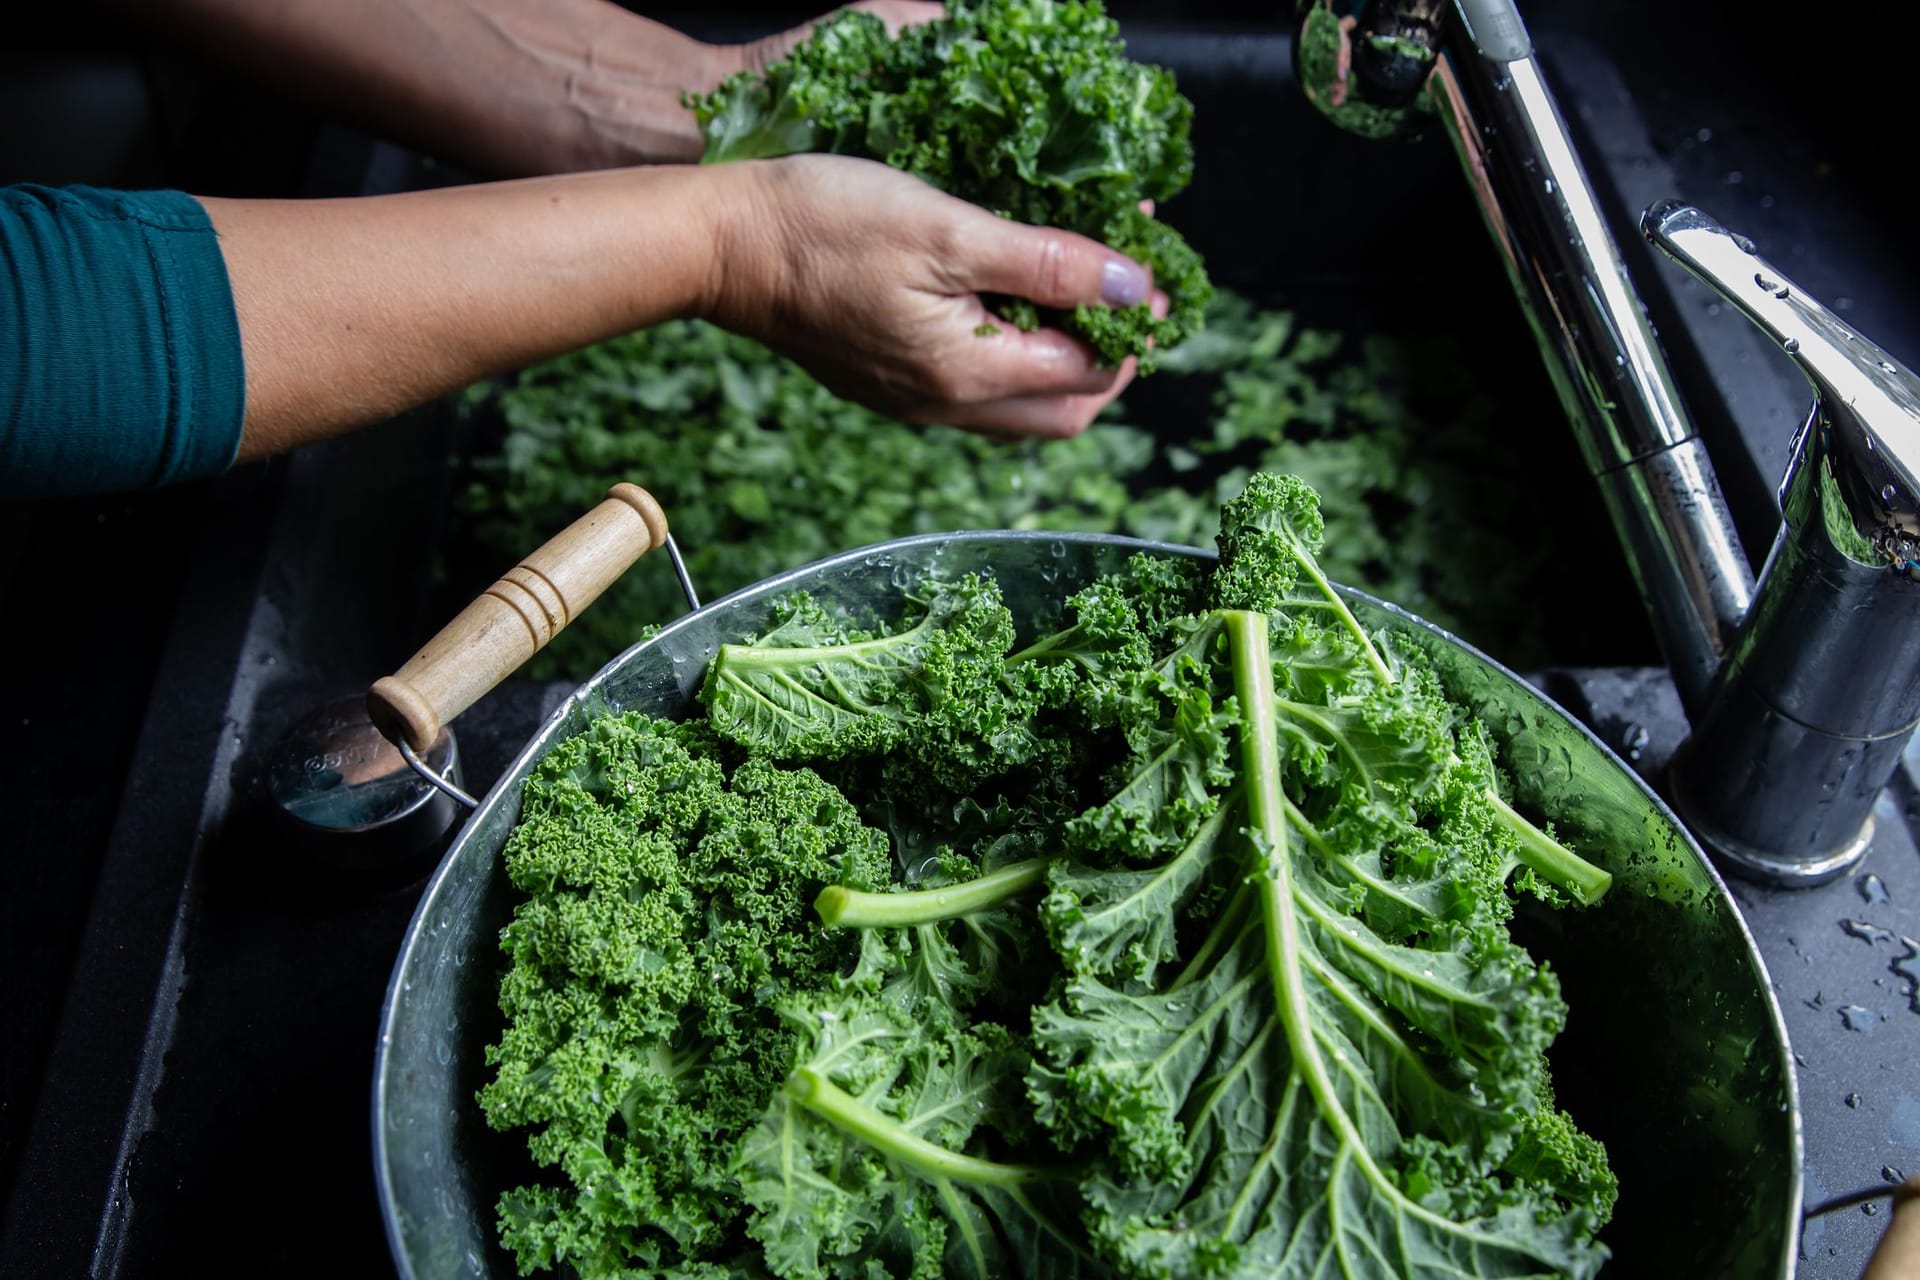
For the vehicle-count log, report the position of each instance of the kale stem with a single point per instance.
(1266, 802)
(1045, 647)
(1560, 865)
(844, 908)
(890, 1138)
(1373, 657)
(1272, 876)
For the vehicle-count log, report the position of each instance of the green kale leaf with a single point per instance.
(666, 914)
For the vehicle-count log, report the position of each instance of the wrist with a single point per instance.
(624, 89)
(746, 239)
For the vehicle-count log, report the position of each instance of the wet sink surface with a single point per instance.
(1844, 963)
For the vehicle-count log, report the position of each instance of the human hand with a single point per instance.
(872, 280)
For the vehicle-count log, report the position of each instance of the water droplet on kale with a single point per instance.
(1892, 1174)
(1856, 1018)
(1854, 1100)
(1872, 888)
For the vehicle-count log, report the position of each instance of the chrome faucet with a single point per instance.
(1803, 691)
(1814, 704)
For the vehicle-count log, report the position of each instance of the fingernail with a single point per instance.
(1123, 283)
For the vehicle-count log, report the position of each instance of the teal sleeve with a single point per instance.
(120, 361)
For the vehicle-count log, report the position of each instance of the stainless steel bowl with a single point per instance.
(1675, 1054)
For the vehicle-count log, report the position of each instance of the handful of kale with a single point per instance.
(1171, 943)
(1028, 108)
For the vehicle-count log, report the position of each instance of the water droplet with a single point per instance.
(1866, 931)
(1855, 1018)
(1854, 1100)
(1888, 493)
(1800, 1059)
(1892, 1174)
(1887, 366)
(1634, 739)
(1547, 186)
(1790, 346)
(1869, 1208)
(1902, 968)
(1746, 245)
(1056, 549)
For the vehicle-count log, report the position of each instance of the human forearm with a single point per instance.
(503, 87)
(353, 310)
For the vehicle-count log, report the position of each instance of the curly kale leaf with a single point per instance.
(1028, 108)
(1330, 1063)
(1269, 537)
(871, 1160)
(936, 693)
(668, 904)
